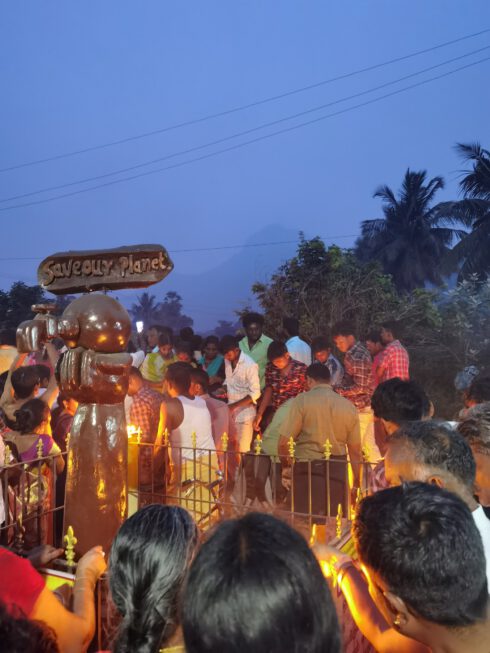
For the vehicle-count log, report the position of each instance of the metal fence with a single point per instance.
(314, 496)
(33, 497)
(215, 485)
(212, 485)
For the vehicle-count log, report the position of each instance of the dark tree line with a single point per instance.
(418, 241)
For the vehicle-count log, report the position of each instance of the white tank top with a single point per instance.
(196, 420)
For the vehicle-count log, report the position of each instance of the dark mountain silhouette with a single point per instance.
(216, 293)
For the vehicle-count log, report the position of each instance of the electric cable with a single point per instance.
(245, 143)
(244, 107)
(206, 249)
(241, 133)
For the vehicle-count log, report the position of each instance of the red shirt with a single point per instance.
(395, 362)
(285, 387)
(20, 584)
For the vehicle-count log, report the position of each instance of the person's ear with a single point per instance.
(397, 607)
(389, 427)
(436, 480)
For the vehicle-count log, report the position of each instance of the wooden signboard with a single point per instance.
(136, 266)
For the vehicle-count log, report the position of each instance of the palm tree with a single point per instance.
(472, 252)
(145, 309)
(412, 238)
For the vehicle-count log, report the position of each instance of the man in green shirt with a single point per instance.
(314, 417)
(255, 344)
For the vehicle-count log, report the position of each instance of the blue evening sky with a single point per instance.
(78, 74)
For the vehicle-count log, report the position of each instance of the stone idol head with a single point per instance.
(96, 321)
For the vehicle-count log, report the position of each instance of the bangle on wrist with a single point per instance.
(341, 570)
(92, 579)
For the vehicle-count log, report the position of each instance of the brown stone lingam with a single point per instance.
(94, 371)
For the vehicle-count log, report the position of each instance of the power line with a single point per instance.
(209, 249)
(244, 132)
(244, 107)
(245, 143)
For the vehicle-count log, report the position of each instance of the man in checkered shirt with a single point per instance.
(144, 414)
(357, 384)
(394, 361)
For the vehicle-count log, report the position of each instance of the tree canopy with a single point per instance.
(444, 330)
(412, 240)
(167, 312)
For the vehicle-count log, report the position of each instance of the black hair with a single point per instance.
(8, 337)
(479, 390)
(30, 415)
(24, 380)
(436, 445)
(147, 568)
(44, 372)
(211, 339)
(184, 347)
(344, 328)
(318, 372)
(158, 327)
(276, 350)
(423, 542)
(56, 412)
(252, 318)
(131, 347)
(196, 342)
(187, 334)
(3, 380)
(135, 371)
(392, 326)
(200, 376)
(256, 586)
(374, 336)
(475, 428)
(400, 401)
(179, 375)
(165, 338)
(291, 324)
(18, 634)
(320, 343)
(62, 398)
(227, 343)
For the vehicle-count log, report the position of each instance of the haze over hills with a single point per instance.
(216, 292)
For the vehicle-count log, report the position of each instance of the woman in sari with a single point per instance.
(61, 421)
(213, 363)
(31, 442)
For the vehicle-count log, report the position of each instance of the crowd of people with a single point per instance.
(335, 418)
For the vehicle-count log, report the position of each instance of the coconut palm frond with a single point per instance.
(434, 185)
(476, 182)
(467, 211)
(371, 228)
(386, 194)
(471, 151)
(446, 236)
